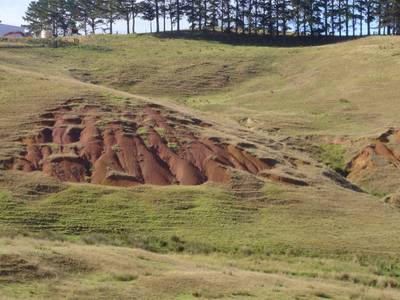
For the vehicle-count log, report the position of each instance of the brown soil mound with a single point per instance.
(382, 152)
(79, 142)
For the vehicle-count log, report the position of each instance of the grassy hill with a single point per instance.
(312, 106)
(342, 88)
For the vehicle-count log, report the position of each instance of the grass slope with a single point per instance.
(343, 88)
(292, 221)
(43, 269)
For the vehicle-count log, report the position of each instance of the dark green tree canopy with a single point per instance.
(273, 17)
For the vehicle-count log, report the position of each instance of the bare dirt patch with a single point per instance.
(377, 165)
(81, 141)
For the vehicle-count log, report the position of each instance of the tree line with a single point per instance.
(272, 17)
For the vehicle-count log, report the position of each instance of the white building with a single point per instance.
(11, 31)
(45, 34)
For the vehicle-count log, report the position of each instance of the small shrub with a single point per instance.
(125, 277)
(333, 156)
(142, 130)
(173, 146)
(196, 294)
(344, 277)
(160, 131)
(177, 244)
(323, 295)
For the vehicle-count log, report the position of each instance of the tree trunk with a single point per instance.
(397, 25)
(205, 14)
(228, 15)
(354, 19)
(192, 26)
(256, 17)
(284, 27)
(340, 18)
(93, 25)
(222, 15)
(379, 18)
(243, 16)
(347, 18)
(270, 25)
(133, 22)
(178, 16)
(164, 16)
(128, 29)
(332, 18)
(369, 19)
(85, 24)
(249, 17)
(297, 21)
(157, 17)
(237, 17)
(200, 19)
(277, 19)
(326, 16)
(263, 20)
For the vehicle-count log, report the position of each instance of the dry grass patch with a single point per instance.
(103, 271)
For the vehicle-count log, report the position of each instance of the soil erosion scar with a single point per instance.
(81, 141)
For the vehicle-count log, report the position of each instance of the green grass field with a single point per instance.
(207, 219)
(320, 241)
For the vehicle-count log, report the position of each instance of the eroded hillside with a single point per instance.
(88, 140)
(82, 140)
(222, 160)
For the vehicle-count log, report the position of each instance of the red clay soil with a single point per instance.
(384, 150)
(79, 142)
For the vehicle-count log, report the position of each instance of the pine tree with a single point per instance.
(109, 12)
(273, 17)
(148, 12)
(124, 10)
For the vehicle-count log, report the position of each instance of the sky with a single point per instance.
(12, 12)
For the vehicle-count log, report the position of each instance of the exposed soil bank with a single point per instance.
(82, 142)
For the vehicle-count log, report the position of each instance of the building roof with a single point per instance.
(4, 29)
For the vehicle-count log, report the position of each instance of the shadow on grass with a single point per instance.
(238, 39)
(232, 38)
